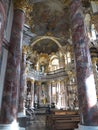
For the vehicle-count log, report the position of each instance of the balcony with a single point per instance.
(36, 75)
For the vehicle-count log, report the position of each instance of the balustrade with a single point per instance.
(37, 75)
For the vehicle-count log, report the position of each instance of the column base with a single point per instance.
(21, 114)
(13, 126)
(82, 127)
(22, 128)
(23, 121)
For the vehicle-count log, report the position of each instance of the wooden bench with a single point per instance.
(61, 120)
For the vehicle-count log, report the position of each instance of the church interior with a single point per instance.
(49, 64)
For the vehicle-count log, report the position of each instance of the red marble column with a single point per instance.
(85, 77)
(2, 23)
(22, 83)
(9, 108)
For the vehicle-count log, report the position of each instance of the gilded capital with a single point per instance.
(25, 49)
(28, 18)
(67, 2)
(32, 81)
(94, 60)
(20, 4)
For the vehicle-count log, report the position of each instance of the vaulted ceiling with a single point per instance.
(49, 18)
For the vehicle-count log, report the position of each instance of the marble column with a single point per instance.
(59, 96)
(22, 82)
(85, 78)
(94, 58)
(9, 107)
(66, 93)
(2, 24)
(50, 93)
(62, 92)
(32, 93)
(94, 62)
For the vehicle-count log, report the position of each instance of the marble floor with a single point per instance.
(38, 123)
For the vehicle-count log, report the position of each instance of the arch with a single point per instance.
(47, 37)
(53, 57)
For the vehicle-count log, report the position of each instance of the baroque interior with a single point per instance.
(50, 51)
(58, 54)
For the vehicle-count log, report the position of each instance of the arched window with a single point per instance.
(55, 64)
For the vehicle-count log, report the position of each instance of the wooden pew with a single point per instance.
(62, 120)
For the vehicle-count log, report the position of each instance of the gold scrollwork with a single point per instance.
(67, 2)
(27, 8)
(20, 4)
(32, 81)
(94, 60)
(28, 18)
(25, 49)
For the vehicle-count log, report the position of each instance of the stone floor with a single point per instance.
(38, 123)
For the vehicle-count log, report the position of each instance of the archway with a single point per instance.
(48, 37)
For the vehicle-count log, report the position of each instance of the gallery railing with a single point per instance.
(59, 73)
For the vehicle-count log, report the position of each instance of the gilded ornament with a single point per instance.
(29, 19)
(26, 8)
(94, 60)
(20, 4)
(25, 49)
(49, 34)
(32, 80)
(66, 2)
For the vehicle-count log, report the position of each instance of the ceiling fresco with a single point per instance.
(45, 46)
(50, 18)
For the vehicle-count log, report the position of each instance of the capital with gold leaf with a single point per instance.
(20, 4)
(25, 49)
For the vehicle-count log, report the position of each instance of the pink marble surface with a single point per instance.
(22, 83)
(9, 106)
(85, 78)
(2, 23)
